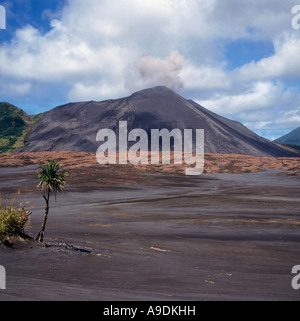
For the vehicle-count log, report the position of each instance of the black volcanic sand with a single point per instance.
(212, 237)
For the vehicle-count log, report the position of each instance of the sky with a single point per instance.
(238, 58)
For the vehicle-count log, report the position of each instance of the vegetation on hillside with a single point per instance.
(15, 126)
(289, 147)
(296, 147)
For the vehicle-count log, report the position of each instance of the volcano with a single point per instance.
(74, 126)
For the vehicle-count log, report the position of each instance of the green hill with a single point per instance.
(15, 125)
(292, 138)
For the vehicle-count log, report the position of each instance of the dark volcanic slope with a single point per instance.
(74, 126)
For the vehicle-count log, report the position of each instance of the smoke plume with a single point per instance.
(155, 71)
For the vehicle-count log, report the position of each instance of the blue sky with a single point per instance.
(243, 51)
(22, 12)
(238, 58)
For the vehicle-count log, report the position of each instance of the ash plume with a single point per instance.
(155, 71)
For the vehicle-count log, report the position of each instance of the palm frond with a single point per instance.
(49, 178)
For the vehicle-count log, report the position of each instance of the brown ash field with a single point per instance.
(152, 233)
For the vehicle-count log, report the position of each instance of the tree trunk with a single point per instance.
(40, 236)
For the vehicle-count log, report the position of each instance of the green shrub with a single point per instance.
(13, 220)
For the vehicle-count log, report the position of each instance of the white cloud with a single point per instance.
(258, 125)
(15, 88)
(259, 96)
(289, 118)
(99, 49)
(97, 42)
(95, 39)
(283, 64)
(95, 91)
(204, 77)
(252, 19)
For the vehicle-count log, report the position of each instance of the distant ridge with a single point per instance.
(73, 127)
(291, 138)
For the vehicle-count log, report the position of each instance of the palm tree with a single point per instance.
(50, 181)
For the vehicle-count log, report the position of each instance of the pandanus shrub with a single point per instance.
(51, 182)
(13, 219)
